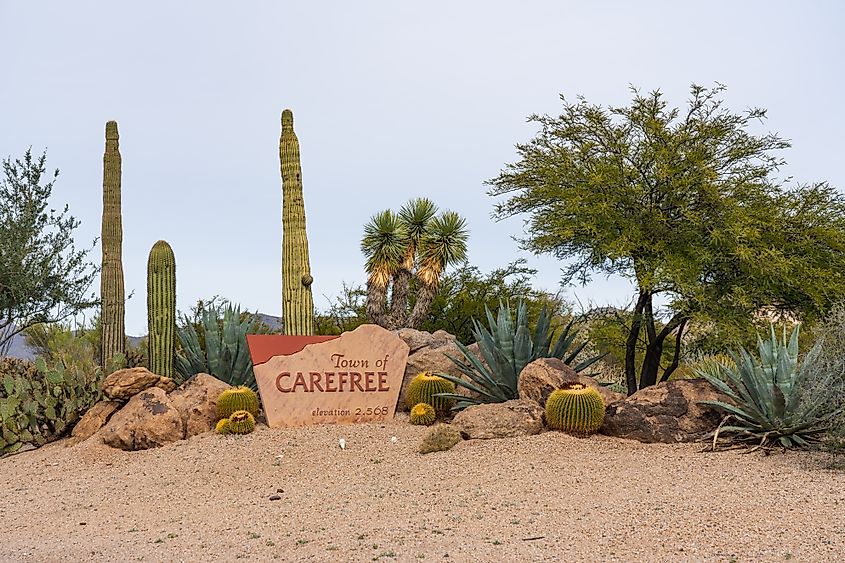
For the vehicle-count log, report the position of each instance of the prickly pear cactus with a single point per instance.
(237, 399)
(297, 302)
(424, 386)
(575, 408)
(40, 404)
(423, 414)
(112, 339)
(161, 308)
(241, 422)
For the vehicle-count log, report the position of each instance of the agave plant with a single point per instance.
(506, 348)
(222, 352)
(770, 405)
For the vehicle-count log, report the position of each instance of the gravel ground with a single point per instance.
(550, 497)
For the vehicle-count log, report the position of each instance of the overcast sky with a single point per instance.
(392, 100)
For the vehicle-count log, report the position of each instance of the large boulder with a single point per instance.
(427, 353)
(125, 383)
(519, 417)
(666, 412)
(94, 419)
(541, 377)
(148, 420)
(196, 401)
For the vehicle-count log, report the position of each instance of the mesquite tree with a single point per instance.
(686, 205)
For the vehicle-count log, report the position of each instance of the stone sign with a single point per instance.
(304, 380)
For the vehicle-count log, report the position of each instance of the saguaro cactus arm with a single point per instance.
(161, 308)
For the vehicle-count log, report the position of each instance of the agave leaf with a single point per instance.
(542, 335)
(564, 341)
(575, 353)
(522, 352)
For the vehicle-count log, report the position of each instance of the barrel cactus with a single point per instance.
(161, 308)
(112, 338)
(222, 426)
(423, 414)
(241, 422)
(237, 399)
(575, 408)
(297, 302)
(423, 389)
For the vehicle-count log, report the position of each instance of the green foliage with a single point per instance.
(39, 404)
(684, 204)
(297, 302)
(414, 244)
(112, 309)
(506, 348)
(576, 408)
(345, 312)
(423, 414)
(428, 388)
(217, 345)
(241, 422)
(771, 406)
(161, 308)
(43, 278)
(237, 399)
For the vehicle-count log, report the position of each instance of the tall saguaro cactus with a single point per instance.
(297, 303)
(161, 308)
(112, 339)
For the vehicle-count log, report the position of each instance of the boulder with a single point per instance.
(439, 437)
(427, 353)
(196, 401)
(95, 418)
(148, 420)
(666, 412)
(124, 383)
(541, 377)
(519, 417)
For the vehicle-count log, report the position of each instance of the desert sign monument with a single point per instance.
(304, 380)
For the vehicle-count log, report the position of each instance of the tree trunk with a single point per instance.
(676, 358)
(377, 304)
(654, 351)
(399, 299)
(631, 343)
(425, 297)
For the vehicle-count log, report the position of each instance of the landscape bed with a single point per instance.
(539, 498)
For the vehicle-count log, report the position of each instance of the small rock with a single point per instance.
(440, 437)
(275, 497)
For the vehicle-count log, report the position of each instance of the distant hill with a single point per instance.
(19, 349)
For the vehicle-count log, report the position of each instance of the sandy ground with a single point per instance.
(550, 497)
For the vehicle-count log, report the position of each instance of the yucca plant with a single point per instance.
(222, 351)
(770, 406)
(506, 348)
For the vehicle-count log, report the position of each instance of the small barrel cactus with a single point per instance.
(423, 414)
(424, 386)
(237, 399)
(241, 422)
(222, 426)
(575, 408)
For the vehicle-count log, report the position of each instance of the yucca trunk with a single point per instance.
(112, 338)
(399, 299)
(425, 297)
(377, 303)
(297, 302)
(161, 308)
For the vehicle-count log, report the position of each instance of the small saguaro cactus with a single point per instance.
(241, 422)
(297, 302)
(423, 414)
(161, 308)
(424, 386)
(237, 399)
(112, 337)
(575, 408)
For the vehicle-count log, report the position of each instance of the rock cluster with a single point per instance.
(144, 410)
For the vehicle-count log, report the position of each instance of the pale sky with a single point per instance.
(392, 100)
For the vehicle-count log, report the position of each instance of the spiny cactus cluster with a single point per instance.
(297, 302)
(112, 339)
(423, 414)
(237, 409)
(161, 308)
(423, 389)
(39, 404)
(575, 408)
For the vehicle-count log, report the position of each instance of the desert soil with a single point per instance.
(550, 497)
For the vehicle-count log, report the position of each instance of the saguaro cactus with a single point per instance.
(161, 308)
(297, 303)
(112, 339)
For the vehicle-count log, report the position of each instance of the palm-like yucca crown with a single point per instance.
(444, 243)
(384, 243)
